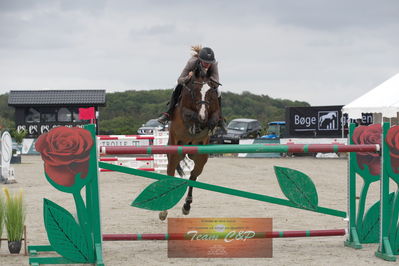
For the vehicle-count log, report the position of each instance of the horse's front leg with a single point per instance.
(200, 160)
(173, 161)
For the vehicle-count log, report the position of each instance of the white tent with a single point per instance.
(384, 100)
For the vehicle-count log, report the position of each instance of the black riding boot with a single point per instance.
(165, 117)
(221, 123)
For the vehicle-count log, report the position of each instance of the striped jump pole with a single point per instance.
(274, 234)
(149, 169)
(115, 159)
(119, 137)
(126, 159)
(149, 163)
(242, 148)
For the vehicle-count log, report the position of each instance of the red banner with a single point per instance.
(87, 113)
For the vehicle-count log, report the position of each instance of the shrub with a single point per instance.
(14, 215)
(2, 212)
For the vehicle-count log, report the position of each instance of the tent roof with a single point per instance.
(382, 99)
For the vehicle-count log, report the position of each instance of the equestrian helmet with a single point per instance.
(206, 55)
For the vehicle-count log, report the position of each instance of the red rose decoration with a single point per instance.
(392, 140)
(368, 135)
(65, 152)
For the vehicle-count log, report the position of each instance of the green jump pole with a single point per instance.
(242, 148)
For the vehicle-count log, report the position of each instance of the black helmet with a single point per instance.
(206, 55)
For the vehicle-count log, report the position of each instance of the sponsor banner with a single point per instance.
(320, 121)
(159, 138)
(34, 130)
(220, 238)
(124, 142)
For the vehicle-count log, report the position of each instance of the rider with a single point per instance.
(204, 58)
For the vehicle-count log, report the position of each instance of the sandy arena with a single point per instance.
(251, 174)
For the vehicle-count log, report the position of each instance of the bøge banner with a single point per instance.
(319, 121)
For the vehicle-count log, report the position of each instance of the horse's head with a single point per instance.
(201, 103)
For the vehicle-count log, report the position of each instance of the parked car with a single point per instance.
(242, 128)
(275, 130)
(149, 127)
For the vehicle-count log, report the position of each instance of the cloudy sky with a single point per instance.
(320, 51)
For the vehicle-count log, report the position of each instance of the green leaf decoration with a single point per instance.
(64, 234)
(297, 187)
(395, 225)
(395, 243)
(369, 230)
(161, 195)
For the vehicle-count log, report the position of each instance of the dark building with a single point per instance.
(38, 111)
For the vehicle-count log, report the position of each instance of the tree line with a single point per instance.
(126, 111)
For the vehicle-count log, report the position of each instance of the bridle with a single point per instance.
(199, 108)
(192, 91)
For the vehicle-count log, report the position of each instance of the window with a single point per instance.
(153, 123)
(236, 125)
(64, 115)
(48, 114)
(32, 116)
(48, 117)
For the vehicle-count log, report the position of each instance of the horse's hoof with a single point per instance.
(185, 209)
(189, 200)
(163, 215)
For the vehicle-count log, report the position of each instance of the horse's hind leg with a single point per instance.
(173, 161)
(200, 161)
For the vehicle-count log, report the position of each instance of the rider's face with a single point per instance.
(205, 65)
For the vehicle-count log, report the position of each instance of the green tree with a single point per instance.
(127, 111)
(6, 113)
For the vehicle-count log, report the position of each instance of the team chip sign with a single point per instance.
(220, 238)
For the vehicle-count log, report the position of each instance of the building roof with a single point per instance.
(57, 97)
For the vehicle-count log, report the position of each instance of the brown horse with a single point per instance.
(194, 118)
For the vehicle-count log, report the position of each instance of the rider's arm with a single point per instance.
(184, 76)
(215, 72)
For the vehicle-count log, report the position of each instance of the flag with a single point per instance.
(87, 113)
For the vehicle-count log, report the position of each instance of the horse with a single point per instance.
(195, 117)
